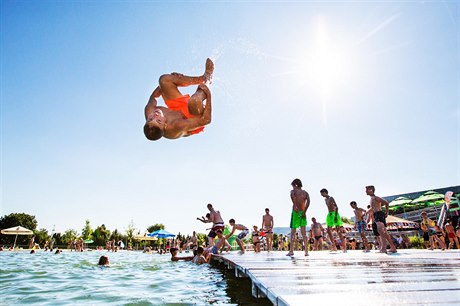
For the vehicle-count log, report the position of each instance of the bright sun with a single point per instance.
(328, 63)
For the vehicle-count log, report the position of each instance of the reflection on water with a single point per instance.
(133, 278)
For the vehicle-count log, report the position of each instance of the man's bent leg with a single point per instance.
(305, 239)
(291, 246)
(195, 104)
(170, 82)
(331, 238)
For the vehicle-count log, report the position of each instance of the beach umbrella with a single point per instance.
(161, 234)
(145, 238)
(16, 230)
(429, 196)
(400, 223)
(399, 201)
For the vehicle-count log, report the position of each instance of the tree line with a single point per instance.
(99, 235)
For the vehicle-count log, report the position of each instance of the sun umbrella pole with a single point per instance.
(14, 244)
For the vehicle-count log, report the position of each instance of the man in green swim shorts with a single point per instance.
(300, 202)
(333, 220)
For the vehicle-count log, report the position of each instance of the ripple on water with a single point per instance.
(134, 278)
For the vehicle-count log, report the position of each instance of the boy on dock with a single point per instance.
(239, 239)
(360, 223)
(300, 203)
(333, 220)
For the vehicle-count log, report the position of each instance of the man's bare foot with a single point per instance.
(306, 254)
(208, 71)
(290, 253)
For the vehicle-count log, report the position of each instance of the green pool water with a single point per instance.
(133, 278)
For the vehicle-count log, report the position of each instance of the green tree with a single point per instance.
(101, 235)
(201, 238)
(41, 236)
(130, 233)
(69, 235)
(155, 227)
(116, 235)
(17, 219)
(87, 231)
(346, 220)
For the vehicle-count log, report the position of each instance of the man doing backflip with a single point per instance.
(333, 220)
(300, 202)
(184, 115)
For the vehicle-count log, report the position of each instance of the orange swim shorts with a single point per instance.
(181, 105)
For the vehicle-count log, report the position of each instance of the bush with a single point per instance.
(416, 242)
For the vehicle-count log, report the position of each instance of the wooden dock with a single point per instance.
(410, 277)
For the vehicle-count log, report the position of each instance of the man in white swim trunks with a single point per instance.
(267, 227)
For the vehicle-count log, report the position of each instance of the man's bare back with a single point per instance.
(330, 203)
(299, 199)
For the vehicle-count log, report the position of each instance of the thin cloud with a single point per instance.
(378, 28)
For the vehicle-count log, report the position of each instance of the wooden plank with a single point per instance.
(411, 277)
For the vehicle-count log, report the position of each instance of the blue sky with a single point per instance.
(338, 94)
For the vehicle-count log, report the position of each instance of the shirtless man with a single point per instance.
(300, 203)
(218, 246)
(193, 241)
(239, 239)
(317, 232)
(380, 219)
(184, 115)
(174, 256)
(450, 230)
(267, 227)
(360, 223)
(333, 220)
(217, 221)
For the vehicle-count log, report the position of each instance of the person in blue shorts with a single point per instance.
(360, 223)
(333, 220)
(239, 239)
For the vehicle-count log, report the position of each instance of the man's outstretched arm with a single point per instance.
(152, 104)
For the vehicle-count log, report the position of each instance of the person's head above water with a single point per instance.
(104, 261)
(173, 251)
(155, 125)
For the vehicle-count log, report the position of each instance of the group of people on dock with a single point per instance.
(376, 214)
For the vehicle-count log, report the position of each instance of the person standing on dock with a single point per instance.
(333, 220)
(300, 203)
(380, 219)
(267, 227)
(317, 232)
(450, 230)
(239, 239)
(360, 223)
(217, 223)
